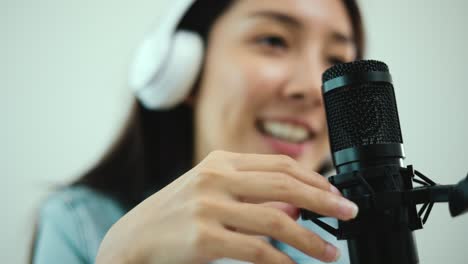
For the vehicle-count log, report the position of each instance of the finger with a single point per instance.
(274, 186)
(273, 223)
(291, 210)
(281, 163)
(228, 244)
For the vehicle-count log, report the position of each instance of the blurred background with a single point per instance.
(63, 67)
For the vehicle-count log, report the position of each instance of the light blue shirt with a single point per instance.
(73, 222)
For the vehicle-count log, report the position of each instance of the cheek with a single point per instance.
(250, 82)
(264, 79)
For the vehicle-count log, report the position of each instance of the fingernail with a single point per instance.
(332, 254)
(348, 209)
(335, 190)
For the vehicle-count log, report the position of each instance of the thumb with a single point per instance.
(289, 209)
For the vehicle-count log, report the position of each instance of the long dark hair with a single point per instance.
(155, 147)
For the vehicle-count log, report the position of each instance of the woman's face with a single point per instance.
(260, 91)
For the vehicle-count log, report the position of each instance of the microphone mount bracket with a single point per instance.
(394, 207)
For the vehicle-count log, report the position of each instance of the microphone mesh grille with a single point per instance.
(362, 114)
(354, 67)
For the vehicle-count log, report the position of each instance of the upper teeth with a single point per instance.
(286, 131)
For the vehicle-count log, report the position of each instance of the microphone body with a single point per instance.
(367, 148)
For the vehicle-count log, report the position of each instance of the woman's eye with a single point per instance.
(273, 41)
(335, 60)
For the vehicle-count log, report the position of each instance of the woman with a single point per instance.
(166, 193)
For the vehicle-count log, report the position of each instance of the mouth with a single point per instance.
(288, 131)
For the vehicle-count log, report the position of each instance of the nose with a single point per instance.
(305, 82)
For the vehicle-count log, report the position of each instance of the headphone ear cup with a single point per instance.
(172, 83)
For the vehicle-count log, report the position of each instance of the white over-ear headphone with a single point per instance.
(168, 61)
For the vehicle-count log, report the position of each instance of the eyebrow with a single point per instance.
(280, 17)
(342, 38)
(336, 36)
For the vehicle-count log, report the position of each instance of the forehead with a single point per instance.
(312, 14)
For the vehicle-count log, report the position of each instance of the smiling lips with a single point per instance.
(285, 137)
(286, 131)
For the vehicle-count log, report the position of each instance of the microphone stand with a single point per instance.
(382, 231)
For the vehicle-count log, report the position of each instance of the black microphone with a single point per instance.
(365, 137)
(367, 148)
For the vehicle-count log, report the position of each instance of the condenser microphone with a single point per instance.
(365, 138)
(367, 148)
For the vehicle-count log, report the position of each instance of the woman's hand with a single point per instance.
(220, 207)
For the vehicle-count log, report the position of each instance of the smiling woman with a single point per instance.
(232, 162)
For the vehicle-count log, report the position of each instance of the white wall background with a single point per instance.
(63, 98)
